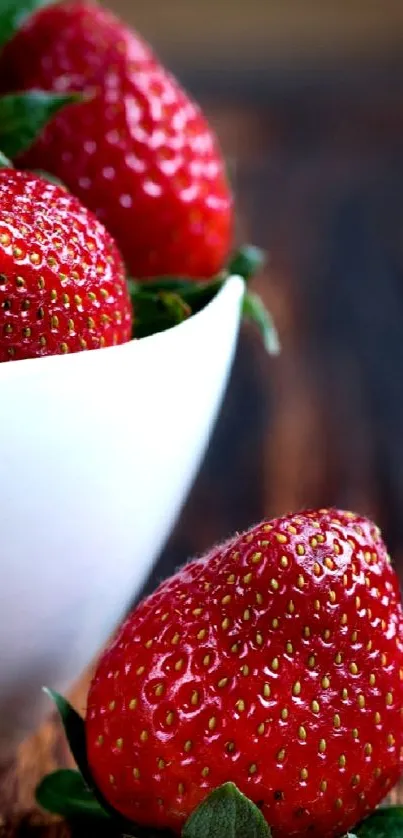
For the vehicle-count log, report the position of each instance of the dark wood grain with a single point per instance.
(230, 34)
(320, 185)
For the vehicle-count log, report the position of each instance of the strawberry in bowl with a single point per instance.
(274, 664)
(62, 280)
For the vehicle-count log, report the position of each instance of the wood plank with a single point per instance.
(261, 33)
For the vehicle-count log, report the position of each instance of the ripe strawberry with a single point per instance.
(274, 662)
(62, 280)
(140, 153)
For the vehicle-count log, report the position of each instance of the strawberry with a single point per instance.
(62, 280)
(139, 152)
(274, 662)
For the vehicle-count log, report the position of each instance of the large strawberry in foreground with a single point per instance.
(62, 280)
(275, 662)
(139, 152)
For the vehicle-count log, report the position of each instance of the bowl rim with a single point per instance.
(233, 287)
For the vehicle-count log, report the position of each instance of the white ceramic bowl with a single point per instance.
(97, 453)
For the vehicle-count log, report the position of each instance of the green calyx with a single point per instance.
(74, 729)
(385, 822)
(65, 793)
(225, 813)
(5, 163)
(164, 302)
(247, 262)
(14, 13)
(253, 309)
(23, 117)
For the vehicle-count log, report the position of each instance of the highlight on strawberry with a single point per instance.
(258, 691)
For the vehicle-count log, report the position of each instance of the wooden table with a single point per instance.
(320, 180)
(43, 752)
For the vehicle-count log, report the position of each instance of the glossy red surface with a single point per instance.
(276, 661)
(139, 153)
(62, 281)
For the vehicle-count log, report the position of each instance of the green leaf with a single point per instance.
(75, 732)
(193, 295)
(47, 176)
(386, 822)
(162, 283)
(23, 116)
(67, 786)
(199, 294)
(254, 310)
(226, 812)
(247, 262)
(14, 13)
(64, 793)
(155, 312)
(176, 305)
(5, 163)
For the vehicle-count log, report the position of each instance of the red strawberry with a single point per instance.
(62, 280)
(140, 153)
(275, 662)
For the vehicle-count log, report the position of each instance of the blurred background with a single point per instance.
(307, 99)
